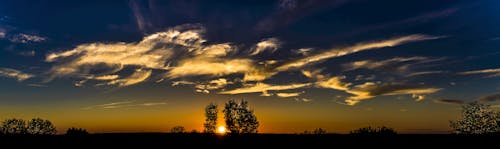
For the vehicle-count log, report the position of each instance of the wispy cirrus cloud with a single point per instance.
(16, 74)
(393, 63)
(124, 104)
(494, 72)
(338, 52)
(489, 98)
(262, 87)
(181, 53)
(286, 95)
(449, 101)
(26, 38)
(271, 44)
(370, 90)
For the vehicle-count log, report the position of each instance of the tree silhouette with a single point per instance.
(477, 118)
(240, 118)
(76, 131)
(38, 126)
(211, 112)
(178, 129)
(14, 126)
(231, 116)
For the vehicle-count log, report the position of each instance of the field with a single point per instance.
(154, 140)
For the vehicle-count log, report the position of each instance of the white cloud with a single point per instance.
(262, 87)
(26, 38)
(285, 95)
(271, 44)
(16, 74)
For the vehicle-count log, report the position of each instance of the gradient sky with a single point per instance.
(135, 66)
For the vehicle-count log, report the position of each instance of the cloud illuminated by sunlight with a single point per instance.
(12, 73)
(262, 87)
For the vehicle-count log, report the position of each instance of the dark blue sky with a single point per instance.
(331, 56)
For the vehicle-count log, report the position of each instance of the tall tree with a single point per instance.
(14, 126)
(240, 118)
(477, 118)
(211, 112)
(38, 126)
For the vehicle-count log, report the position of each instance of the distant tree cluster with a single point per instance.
(76, 131)
(477, 118)
(317, 131)
(378, 131)
(178, 129)
(35, 126)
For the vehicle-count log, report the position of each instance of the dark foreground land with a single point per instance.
(163, 140)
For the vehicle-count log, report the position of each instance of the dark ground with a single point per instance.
(164, 140)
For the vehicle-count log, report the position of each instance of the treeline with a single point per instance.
(35, 126)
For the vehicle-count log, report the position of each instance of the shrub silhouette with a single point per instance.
(319, 131)
(477, 118)
(178, 129)
(76, 131)
(38, 126)
(14, 126)
(379, 131)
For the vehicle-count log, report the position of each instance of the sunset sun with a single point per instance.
(221, 130)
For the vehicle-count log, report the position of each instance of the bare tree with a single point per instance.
(38, 126)
(477, 118)
(240, 118)
(211, 112)
(14, 126)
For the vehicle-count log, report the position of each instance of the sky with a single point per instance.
(147, 66)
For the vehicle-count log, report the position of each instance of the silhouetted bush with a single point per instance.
(76, 132)
(477, 118)
(35, 126)
(374, 131)
(14, 126)
(178, 129)
(319, 131)
(38, 126)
